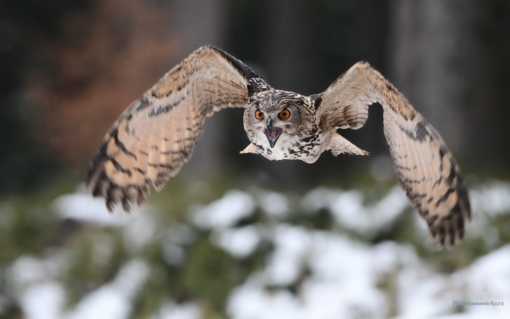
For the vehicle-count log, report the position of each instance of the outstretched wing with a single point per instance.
(156, 135)
(425, 168)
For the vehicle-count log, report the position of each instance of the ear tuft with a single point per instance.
(250, 149)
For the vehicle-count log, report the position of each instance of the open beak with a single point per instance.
(272, 133)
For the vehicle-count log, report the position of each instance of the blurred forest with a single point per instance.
(69, 68)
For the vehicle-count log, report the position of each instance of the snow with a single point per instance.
(492, 198)
(240, 242)
(491, 315)
(48, 296)
(488, 277)
(114, 300)
(292, 243)
(348, 209)
(274, 204)
(342, 279)
(42, 296)
(139, 225)
(226, 211)
(346, 277)
(83, 207)
(187, 310)
(27, 271)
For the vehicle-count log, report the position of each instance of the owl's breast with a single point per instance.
(307, 149)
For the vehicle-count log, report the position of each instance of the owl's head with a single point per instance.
(275, 120)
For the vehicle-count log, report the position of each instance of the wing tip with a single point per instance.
(242, 68)
(448, 230)
(100, 185)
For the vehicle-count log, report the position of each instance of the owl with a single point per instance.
(156, 134)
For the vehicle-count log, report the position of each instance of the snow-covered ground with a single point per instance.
(346, 277)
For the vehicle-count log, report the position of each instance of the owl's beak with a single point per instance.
(272, 133)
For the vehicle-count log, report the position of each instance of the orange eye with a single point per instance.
(284, 115)
(259, 115)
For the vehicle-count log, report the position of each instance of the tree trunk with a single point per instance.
(198, 23)
(450, 58)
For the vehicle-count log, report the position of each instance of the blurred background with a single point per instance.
(237, 236)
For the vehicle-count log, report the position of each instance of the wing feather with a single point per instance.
(424, 166)
(156, 134)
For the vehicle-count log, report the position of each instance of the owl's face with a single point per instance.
(276, 121)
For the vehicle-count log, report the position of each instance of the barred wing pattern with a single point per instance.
(424, 166)
(156, 135)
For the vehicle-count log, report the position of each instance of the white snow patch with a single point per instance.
(285, 264)
(226, 211)
(27, 271)
(348, 210)
(249, 302)
(139, 225)
(240, 242)
(488, 277)
(345, 276)
(493, 198)
(485, 315)
(43, 301)
(85, 208)
(343, 280)
(274, 204)
(187, 310)
(113, 300)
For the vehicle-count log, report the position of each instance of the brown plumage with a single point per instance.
(156, 135)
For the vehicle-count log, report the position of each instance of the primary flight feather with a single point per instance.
(157, 134)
